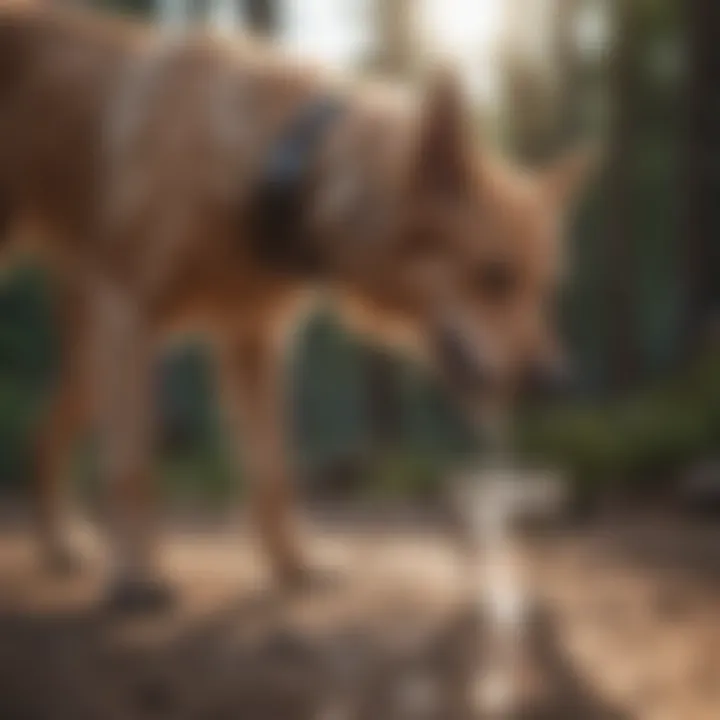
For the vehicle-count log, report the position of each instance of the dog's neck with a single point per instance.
(325, 196)
(360, 164)
(283, 233)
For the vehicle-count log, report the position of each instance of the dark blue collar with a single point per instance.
(282, 236)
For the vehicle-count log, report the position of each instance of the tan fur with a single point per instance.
(136, 157)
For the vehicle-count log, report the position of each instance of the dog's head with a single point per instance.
(474, 258)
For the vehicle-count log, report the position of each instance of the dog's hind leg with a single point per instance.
(123, 399)
(66, 419)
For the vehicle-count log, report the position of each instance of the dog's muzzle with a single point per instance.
(466, 370)
(550, 380)
(459, 362)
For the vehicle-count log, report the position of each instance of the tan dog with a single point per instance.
(136, 161)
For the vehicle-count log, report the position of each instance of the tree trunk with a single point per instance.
(394, 56)
(263, 16)
(701, 172)
(620, 258)
(384, 410)
(569, 90)
(527, 88)
(395, 48)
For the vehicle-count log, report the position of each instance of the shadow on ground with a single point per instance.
(83, 667)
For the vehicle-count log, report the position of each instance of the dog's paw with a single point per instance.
(130, 596)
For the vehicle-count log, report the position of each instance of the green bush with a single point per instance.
(634, 442)
(403, 475)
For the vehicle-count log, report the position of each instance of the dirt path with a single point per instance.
(638, 611)
(611, 632)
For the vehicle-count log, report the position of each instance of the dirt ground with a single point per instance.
(621, 620)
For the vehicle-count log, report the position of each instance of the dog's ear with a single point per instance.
(442, 165)
(564, 180)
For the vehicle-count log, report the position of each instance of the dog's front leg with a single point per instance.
(125, 424)
(253, 390)
(66, 419)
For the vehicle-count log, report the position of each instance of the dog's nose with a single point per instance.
(551, 380)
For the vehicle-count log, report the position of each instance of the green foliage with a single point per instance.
(639, 441)
(328, 404)
(26, 366)
(405, 474)
(202, 479)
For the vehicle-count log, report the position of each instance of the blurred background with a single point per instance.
(640, 311)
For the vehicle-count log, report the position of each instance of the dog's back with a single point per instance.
(56, 71)
(96, 115)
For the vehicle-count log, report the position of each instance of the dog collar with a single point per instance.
(281, 234)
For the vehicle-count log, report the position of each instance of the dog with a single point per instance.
(196, 184)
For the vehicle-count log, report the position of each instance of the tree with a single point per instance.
(263, 16)
(620, 261)
(395, 49)
(394, 56)
(701, 172)
(135, 7)
(528, 98)
(569, 96)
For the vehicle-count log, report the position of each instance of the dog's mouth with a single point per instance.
(460, 363)
(470, 382)
(477, 388)
(469, 372)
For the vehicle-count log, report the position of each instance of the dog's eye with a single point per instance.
(495, 280)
